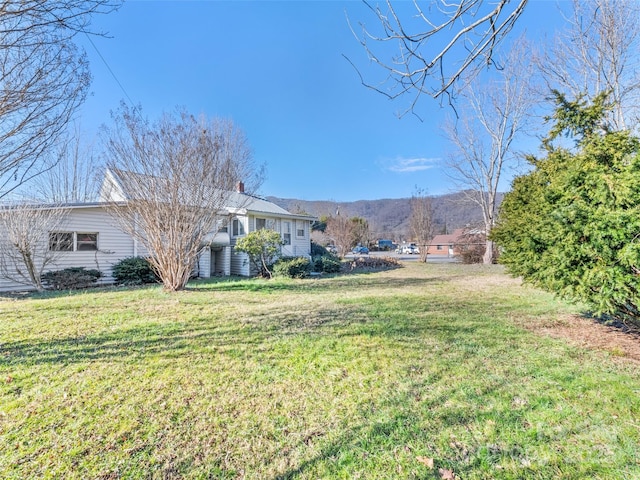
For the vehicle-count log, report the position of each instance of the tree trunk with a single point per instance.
(487, 259)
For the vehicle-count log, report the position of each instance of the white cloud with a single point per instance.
(408, 165)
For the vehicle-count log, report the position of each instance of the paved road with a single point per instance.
(410, 258)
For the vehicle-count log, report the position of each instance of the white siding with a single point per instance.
(113, 245)
(240, 264)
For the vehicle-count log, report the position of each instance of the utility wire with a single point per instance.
(135, 109)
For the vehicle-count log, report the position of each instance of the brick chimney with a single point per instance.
(240, 187)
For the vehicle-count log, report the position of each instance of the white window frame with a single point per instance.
(286, 232)
(85, 243)
(238, 228)
(301, 227)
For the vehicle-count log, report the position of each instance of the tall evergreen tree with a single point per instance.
(572, 225)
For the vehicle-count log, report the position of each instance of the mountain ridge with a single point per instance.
(389, 217)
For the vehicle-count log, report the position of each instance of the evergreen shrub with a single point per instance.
(71, 278)
(134, 271)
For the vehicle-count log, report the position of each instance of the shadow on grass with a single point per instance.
(166, 340)
(397, 419)
(53, 294)
(336, 282)
(240, 284)
(401, 317)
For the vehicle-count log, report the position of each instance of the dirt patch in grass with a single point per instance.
(586, 332)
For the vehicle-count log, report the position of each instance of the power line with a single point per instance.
(111, 72)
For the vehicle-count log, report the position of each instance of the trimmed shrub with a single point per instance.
(134, 271)
(263, 247)
(71, 278)
(327, 263)
(293, 267)
(318, 250)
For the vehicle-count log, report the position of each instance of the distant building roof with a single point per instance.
(447, 239)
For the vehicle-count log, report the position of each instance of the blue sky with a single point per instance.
(277, 69)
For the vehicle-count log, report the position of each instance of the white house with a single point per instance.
(89, 237)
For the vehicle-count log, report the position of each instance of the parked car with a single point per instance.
(410, 249)
(332, 249)
(360, 251)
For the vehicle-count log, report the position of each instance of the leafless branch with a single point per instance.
(434, 45)
(598, 53)
(494, 115)
(71, 175)
(24, 243)
(44, 79)
(177, 174)
(421, 221)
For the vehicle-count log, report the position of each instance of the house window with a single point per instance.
(222, 225)
(261, 223)
(238, 228)
(439, 247)
(61, 241)
(286, 233)
(72, 241)
(300, 230)
(86, 241)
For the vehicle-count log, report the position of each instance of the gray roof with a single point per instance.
(238, 203)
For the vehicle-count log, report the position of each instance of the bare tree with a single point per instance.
(26, 243)
(421, 221)
(340, 230)
(597, 53)
(71, 175)
(177, 174)
(44, 78)
(360, 233)
(494, 115)
(435, 44)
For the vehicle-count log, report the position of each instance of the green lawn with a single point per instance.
(412, 373)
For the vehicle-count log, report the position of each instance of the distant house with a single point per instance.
(461, 242)
(445, 244)
(92, 238)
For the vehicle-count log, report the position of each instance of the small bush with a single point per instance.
(71, 278)
(134, 271)
(318, 250)
(292, 267)
(327, 263)
(471, 253)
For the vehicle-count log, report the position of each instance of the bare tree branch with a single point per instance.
(421, 221)
(494, 115)
(178, 175)
(71, 175)
(340, 230)
(434, 44)
(44, 78)
(24, 244)
(598, 53)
